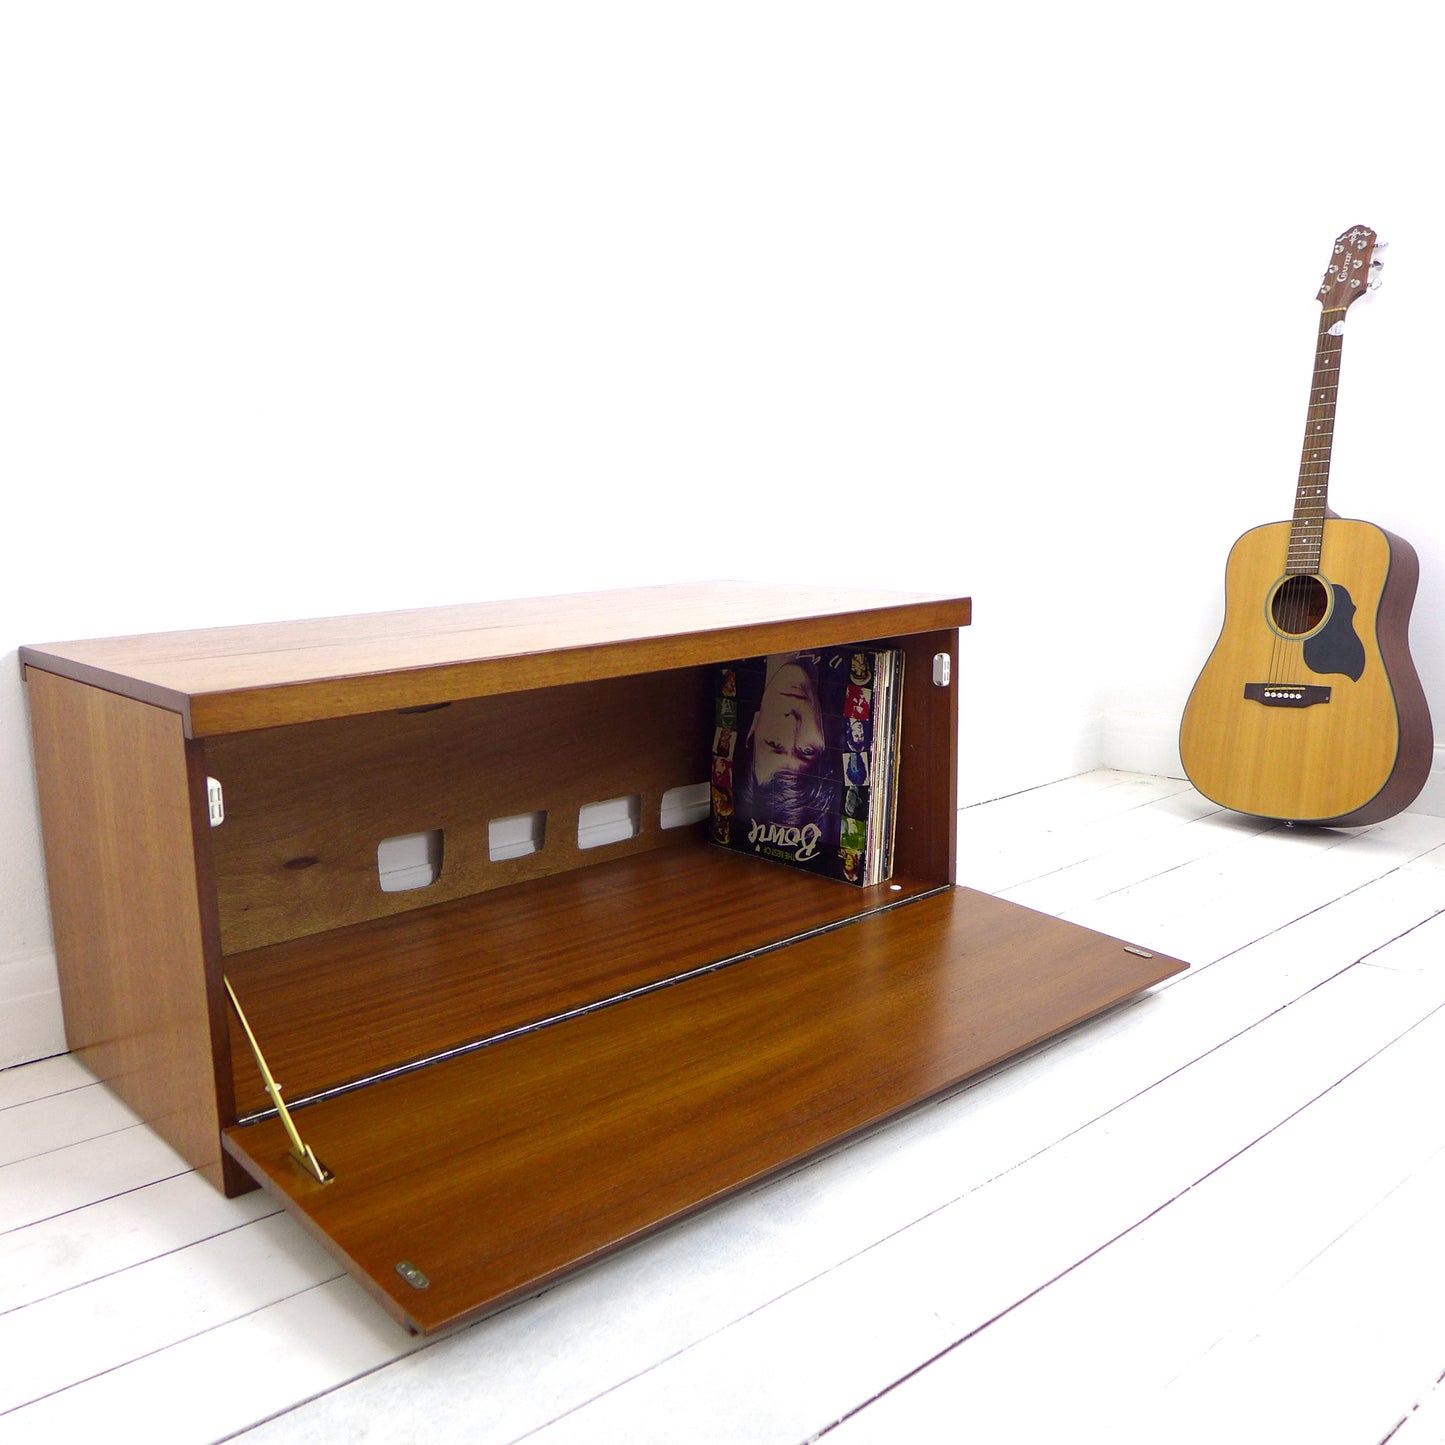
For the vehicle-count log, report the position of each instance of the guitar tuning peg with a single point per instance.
(1377, 264)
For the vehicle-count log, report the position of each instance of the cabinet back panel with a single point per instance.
(307, 806)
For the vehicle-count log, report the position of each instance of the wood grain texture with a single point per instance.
(496, 1172)
(233, 679)
(539, 707)
(1360, 757)
(925, 839)
(118, 811)
(307, 805)
(346, 1005)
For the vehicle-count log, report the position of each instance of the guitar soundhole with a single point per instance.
(1299, 605)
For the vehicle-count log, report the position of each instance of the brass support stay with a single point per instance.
(301, 1152)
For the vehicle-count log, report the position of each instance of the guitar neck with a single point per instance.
(1311, 498)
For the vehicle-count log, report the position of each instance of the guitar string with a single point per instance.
(1285, 603)
(1300, 593)
(1331, 348)
(1299, 528)
(1285, 600)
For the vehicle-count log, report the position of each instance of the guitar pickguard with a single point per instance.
(1339, 738)
(1336, 647)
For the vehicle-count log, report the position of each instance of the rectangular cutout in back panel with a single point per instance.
(516, 837)
(413, 860)
(690, 803)
(612, 821)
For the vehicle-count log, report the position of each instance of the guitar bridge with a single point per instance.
(1286, 694)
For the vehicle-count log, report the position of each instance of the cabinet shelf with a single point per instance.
(332, 1008)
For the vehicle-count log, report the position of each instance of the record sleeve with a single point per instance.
(804, 759)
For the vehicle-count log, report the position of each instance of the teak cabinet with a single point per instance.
(560, 1044)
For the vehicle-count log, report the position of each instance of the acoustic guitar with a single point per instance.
(1309, 708)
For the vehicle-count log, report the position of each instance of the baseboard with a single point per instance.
(31, 1025)
(987, 771)
(1139, 743)
(1432, 795)
(1149, 743)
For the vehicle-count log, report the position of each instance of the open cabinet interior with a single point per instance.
(453, 868)
(528, 911)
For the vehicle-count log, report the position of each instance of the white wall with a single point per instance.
(319, 309)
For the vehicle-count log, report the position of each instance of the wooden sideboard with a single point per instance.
(556, 1043)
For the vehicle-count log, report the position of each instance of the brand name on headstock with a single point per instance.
(1345, 278)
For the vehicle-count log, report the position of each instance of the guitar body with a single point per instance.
(1309, 708)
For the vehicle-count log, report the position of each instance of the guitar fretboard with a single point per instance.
(1311, 498)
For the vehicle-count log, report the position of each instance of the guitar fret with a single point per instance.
(1307, 529)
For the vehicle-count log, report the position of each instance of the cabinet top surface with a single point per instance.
(234, 679)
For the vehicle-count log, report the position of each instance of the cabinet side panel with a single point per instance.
(925, 839)
(115, 803)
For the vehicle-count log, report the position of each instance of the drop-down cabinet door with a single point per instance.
(472, 1181)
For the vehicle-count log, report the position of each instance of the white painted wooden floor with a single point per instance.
(1217, 1213)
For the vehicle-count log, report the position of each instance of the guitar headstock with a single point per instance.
(1353, 268)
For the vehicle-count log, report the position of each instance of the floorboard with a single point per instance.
(1211, 1213)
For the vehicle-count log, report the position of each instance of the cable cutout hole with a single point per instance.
(517, 836)
(412, 860)
(611, 821)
